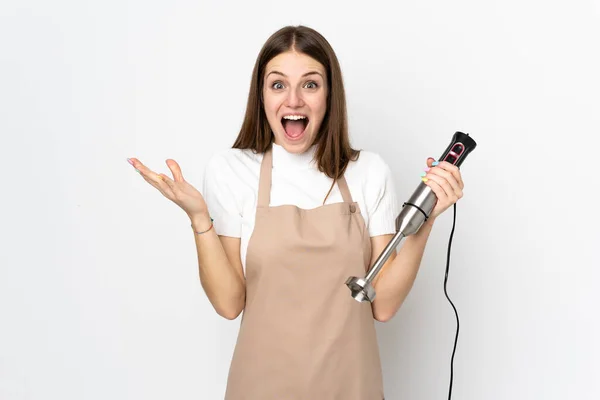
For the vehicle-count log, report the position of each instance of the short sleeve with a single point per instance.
(381, 199)
(220, 195)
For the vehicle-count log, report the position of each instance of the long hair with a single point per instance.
(333, 150)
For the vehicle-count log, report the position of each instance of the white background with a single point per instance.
(99, 289)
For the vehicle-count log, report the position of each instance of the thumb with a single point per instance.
(175, 169)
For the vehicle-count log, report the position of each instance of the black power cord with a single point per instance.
(455, 312)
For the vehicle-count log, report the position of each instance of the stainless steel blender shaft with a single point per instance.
(414, 212)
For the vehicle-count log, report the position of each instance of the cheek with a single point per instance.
(320, 105)
(270, 107)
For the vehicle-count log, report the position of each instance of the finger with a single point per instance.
(454, 170)
(172, 186)
(448, 177)
(161, 186)
(440, 193)
(165, 187)
(144, 171)
(430, 161)
(152, 178)
(443, 184)
(168, 181)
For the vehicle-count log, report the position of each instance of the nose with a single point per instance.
(294, 99)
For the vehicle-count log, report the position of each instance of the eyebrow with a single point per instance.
(306, 74)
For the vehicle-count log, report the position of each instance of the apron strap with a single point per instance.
(264, 182)
(343, 185)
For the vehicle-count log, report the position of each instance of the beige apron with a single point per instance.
(302, 336)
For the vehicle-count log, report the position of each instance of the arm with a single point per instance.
(397, 276)
(220, 269)
(219, 260)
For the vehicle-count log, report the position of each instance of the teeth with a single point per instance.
(294, 117)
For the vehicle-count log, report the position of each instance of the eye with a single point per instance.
(311, 85)
(277, 85)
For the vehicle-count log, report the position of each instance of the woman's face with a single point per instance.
(295, 98)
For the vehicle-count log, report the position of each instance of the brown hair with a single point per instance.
(333, 150)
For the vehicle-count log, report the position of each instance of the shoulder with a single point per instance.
(231, 157)
(232, 162)
(369, 164)
(373, 175)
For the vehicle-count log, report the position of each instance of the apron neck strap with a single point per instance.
(264, 181)
(343, 185)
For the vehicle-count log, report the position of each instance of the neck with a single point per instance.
(282, 159)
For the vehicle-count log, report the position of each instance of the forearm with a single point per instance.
(394, 282)
(221, 282)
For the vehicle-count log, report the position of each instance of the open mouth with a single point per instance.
(294, 125)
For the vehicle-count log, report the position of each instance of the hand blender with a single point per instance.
(414, 212)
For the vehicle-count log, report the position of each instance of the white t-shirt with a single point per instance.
(230, 188)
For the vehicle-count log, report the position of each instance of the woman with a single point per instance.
(296, 211)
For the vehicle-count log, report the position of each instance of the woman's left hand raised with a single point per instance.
(446, 182)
